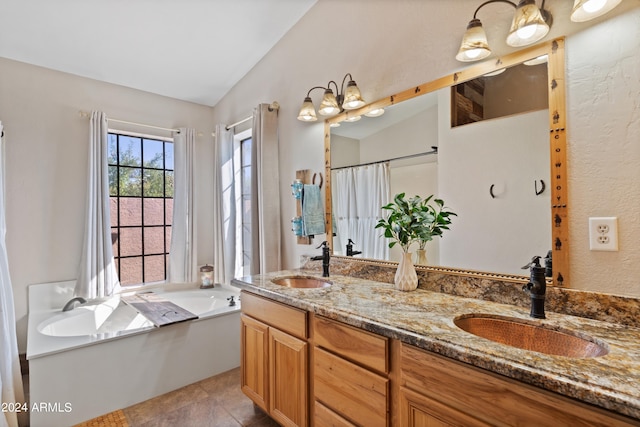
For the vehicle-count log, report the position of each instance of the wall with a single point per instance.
(400, 44)
(603, 95)
(47, 148)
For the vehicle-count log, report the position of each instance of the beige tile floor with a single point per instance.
(215, 401)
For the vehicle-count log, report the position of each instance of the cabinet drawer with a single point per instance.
(504, 402)
(325, 417)
(289, 319)
(362, 347)
(350, 390)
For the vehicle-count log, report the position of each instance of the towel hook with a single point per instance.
(313, 180)
(542, 187)
(491, 191)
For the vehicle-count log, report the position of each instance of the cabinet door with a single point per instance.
(288, 372)
(254, 374)
(417, 410)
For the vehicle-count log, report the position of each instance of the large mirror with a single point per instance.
(502, 171)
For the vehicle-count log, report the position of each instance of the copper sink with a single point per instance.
(531, 336)
(302, 282)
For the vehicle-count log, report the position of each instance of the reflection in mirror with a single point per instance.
(490, 173)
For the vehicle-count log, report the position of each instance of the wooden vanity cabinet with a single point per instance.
(350, 376)
(274, 359)
(436, 391)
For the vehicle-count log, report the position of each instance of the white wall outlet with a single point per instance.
(603, 233)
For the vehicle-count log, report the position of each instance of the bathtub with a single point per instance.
(105, 355)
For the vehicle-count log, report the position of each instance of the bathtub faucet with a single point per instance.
(71, 304)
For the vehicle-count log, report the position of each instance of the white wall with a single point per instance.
(603, 95)
(400, 44)
(47, 149)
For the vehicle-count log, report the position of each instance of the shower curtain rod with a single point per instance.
(409, 156)
(273, 106)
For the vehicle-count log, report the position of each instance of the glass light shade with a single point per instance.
(353, 119)
(474, 46)
(528, 25)
(329, 104)
(352, 97)
(308, 111)
(584, 10)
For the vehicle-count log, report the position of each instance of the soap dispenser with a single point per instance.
(537, 287)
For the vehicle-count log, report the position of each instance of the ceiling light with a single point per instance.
(377, 112)
(539, 60)
(584, 10)
(529, 25)
(353, 119)
(331, 104)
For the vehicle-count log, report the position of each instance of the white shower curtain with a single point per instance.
(97, 276)
(10, 376)
(265, 215)
(358, 195)
(224, 208)
(183, 252)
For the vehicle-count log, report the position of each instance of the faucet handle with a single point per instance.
(535, 262)
(323, 245)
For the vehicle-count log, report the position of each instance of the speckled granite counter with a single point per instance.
(425, 319)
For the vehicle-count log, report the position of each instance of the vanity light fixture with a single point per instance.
(346, 99)
(584, 10)
(529, 25)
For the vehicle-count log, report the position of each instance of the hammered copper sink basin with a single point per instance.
(530, 336)
(301, 282)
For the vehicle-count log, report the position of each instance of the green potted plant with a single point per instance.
(436, 220)
(409, 221)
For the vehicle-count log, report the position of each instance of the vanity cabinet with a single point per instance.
(437, 391)
(350, 376)
(275, 358)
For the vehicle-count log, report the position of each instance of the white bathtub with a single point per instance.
(104, 355)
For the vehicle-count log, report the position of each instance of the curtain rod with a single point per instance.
(86, 115)
(273, 106)
(409, 156)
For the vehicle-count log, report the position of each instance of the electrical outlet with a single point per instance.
(603, 234)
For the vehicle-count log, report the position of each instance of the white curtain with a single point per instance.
(183, 252)
(97, 276)
(358, 195)
(10, 376)
(265, 218)
(224, 207)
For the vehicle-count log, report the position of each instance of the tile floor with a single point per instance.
(215, 402)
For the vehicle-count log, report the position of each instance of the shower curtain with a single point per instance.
(358, 195)
(182, 254)
(97, 276)
(10, 376)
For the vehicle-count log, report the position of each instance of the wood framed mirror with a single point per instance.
(484, 247)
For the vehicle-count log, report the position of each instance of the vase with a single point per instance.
(406, 278)
(421, 257)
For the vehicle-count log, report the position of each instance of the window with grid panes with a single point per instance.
(141, 198)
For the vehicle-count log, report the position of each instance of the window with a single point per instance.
(141, 199)
(243, 191)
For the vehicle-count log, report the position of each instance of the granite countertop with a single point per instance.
(426, 319)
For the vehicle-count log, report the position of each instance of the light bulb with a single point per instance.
(593, 6)
(526, 32)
